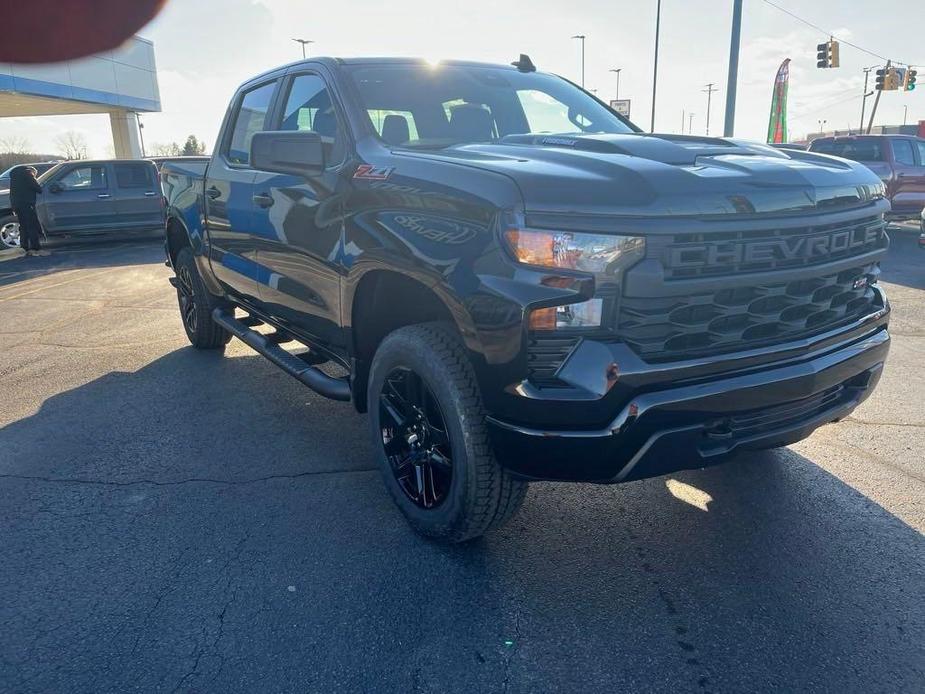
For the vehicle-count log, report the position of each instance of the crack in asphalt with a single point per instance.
(175, 483)
(867, 422)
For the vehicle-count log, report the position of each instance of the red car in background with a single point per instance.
(899, 160)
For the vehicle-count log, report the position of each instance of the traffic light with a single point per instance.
(910, 79)
(886, 79)
(827, 54)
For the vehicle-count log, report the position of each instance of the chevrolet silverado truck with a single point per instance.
(517, 284)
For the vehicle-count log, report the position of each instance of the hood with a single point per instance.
(644, 175)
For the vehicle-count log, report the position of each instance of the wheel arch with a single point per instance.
(179, 235)
(383, 300)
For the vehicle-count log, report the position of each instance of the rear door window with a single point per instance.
(134, 175)
(902, 152)
(250, 118)
(921, 147)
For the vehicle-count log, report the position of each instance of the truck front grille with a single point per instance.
(746, 316)
(690, 255)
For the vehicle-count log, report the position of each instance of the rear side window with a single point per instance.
(921, 146)
(856, 150)
(309, 107)
(134, 175)
(251, 118)
(902, 152)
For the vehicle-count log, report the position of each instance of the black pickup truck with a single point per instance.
(518, 284)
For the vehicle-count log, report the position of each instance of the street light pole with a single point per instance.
(658, 21)
(304, 42)
(864, 97)
(617, 70)
(581, 37)
(905, 112)
(690, 122)
(709, 90)
(733, 77)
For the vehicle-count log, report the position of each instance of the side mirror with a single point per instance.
(55, 188)
(296, 152)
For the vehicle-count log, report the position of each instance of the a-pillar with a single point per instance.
(126, 137)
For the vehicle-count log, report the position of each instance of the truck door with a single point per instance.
(299, 221)
(78, 199)
(138, 201)
(909, 185)
(229, 196)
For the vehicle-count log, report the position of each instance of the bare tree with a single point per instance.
(165, 149)
(73, 145)
(14, 144)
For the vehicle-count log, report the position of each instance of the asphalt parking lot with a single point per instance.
(180, 521)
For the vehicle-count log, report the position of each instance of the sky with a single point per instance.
(205, 48)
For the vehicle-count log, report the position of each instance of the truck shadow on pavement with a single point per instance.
(905, 261)
(206, 523)
(83, 255)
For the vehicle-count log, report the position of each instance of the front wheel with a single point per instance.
(9, 232)
(429, 432)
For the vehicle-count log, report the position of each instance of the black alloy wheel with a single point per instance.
(414, 436)
(187, 298)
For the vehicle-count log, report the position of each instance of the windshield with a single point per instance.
(856, 150)
(415, 105)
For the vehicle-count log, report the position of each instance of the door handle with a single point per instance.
(900, 174)
(213, 192)
(104, 196)
(263, 200)
(150, 194)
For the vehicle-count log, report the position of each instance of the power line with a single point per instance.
(830, 34)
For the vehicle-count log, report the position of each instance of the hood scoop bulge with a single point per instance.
(677, 150)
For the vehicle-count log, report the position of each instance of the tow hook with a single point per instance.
(718, 430)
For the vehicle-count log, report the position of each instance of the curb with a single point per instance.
(11, 254)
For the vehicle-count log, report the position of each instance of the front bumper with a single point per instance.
(702, 422)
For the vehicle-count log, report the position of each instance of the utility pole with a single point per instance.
(581, 37)
(733, 78)
(304, 42)
(658, 20)
(864, 97)
(873, 111)
(617, 70)
(709, 90)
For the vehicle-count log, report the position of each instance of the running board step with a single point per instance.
(314, 378)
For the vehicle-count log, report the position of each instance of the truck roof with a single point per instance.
(335, 62)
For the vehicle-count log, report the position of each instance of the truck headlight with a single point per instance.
(566, 250)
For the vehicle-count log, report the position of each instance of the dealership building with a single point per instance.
(122, 83)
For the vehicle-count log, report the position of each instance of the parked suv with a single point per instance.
(518, 284)
(899, 161)
(92, 197)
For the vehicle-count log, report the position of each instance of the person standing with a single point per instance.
(23, 189)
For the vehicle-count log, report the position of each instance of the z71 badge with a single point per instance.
(369, 172)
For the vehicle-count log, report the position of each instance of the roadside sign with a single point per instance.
(621, 106)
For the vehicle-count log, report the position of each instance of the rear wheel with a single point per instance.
(429, 431)
(196, 305)
(9, 232)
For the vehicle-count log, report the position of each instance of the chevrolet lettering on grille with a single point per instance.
(770, 250)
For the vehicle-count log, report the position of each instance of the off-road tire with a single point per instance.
(482, 495)
(203, 333)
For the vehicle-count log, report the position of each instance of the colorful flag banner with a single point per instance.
(777, 125)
